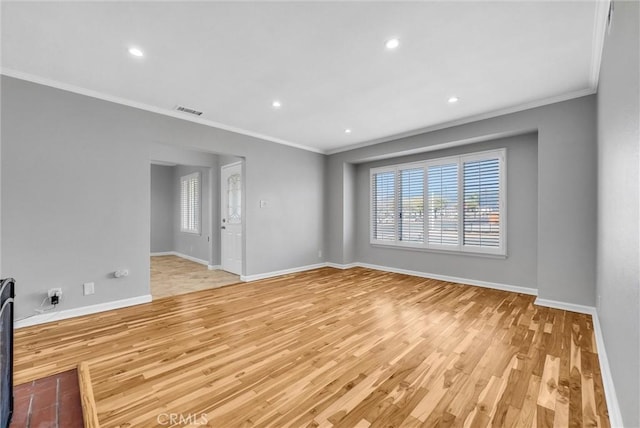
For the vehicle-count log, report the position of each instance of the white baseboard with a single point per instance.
(571, 307)
(615, 416)
(255, 277)
(339, 266)
(214, 267)
(84, 310)
(184, 256)
(486, 284)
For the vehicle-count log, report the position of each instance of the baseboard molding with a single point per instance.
(214, 267)
(571, 307)
(339, 266)
(163, 253)
(258, 276)
(184, 256)
(466, 281)
(84, 310)
(615, 416)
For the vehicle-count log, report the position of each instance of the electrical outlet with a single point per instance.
(121, 273)
(54, 292)
(319, 254)
(88, 288)
(54, 295)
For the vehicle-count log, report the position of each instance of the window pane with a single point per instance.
(190, 203)
(234, 197)
(442, 216)
(383, 206)
(482, 203)
(412, 205)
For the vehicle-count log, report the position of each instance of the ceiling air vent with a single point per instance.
(188, 110)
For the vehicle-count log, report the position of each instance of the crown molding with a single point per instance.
(469, 119)
(597, 43)
(142, 106)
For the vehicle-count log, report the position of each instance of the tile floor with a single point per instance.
(50, 402)
(172, 275)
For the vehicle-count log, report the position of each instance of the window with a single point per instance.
(190, 203)
(455, 203)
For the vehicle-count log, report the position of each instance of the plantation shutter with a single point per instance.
(482, 203)
(411, 201)
(383, 206)
(442, 218)
(190, 203)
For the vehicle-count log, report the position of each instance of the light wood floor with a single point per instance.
(332, 348)
(172, 275)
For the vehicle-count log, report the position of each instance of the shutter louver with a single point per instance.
(442, 184)
(190, 203)
(411, 226)
(482, 203)
(383, 204)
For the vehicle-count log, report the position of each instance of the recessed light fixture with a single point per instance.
(276, 104)
(453, 100)
(347, 131)
(136, 52)
(392, 43)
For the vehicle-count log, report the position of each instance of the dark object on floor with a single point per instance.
(50, 402)
(6, 350)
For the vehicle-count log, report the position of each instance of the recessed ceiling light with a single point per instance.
(276, 104)
(136, 52)
(453, 100)
(347, 131)
(392, 43)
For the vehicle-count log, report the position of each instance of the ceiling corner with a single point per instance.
(597, 46)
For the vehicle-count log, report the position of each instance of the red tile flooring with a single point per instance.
(50, 402)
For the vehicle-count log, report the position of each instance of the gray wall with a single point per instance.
(192, 244)
(162, 208)
(618, 206)
(519, 268)
(76, 194)
(567, 203)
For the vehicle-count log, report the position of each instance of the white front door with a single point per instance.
(231, 218)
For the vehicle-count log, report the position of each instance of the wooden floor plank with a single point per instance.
(329, 347)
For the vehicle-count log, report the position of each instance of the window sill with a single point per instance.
(440, 251)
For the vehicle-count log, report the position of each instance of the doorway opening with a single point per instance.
(186, 238)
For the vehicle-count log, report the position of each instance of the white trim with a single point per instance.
(172, 113)
(466, 281)
(475, 118)
(142, 106)
(572, 307)
(193, 259)
(214, 267)
(84, 310)
(184, 256)
(163, 253)
(459, 161)
(255, 277)
(597, 42)
(163, 163)
(229, 165)
(613, 407)
(340, 266)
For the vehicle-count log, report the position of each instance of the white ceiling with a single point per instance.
(325, 61)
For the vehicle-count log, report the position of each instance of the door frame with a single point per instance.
(243, 210)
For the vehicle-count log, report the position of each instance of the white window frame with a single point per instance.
(459, 160)
(187, 178)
